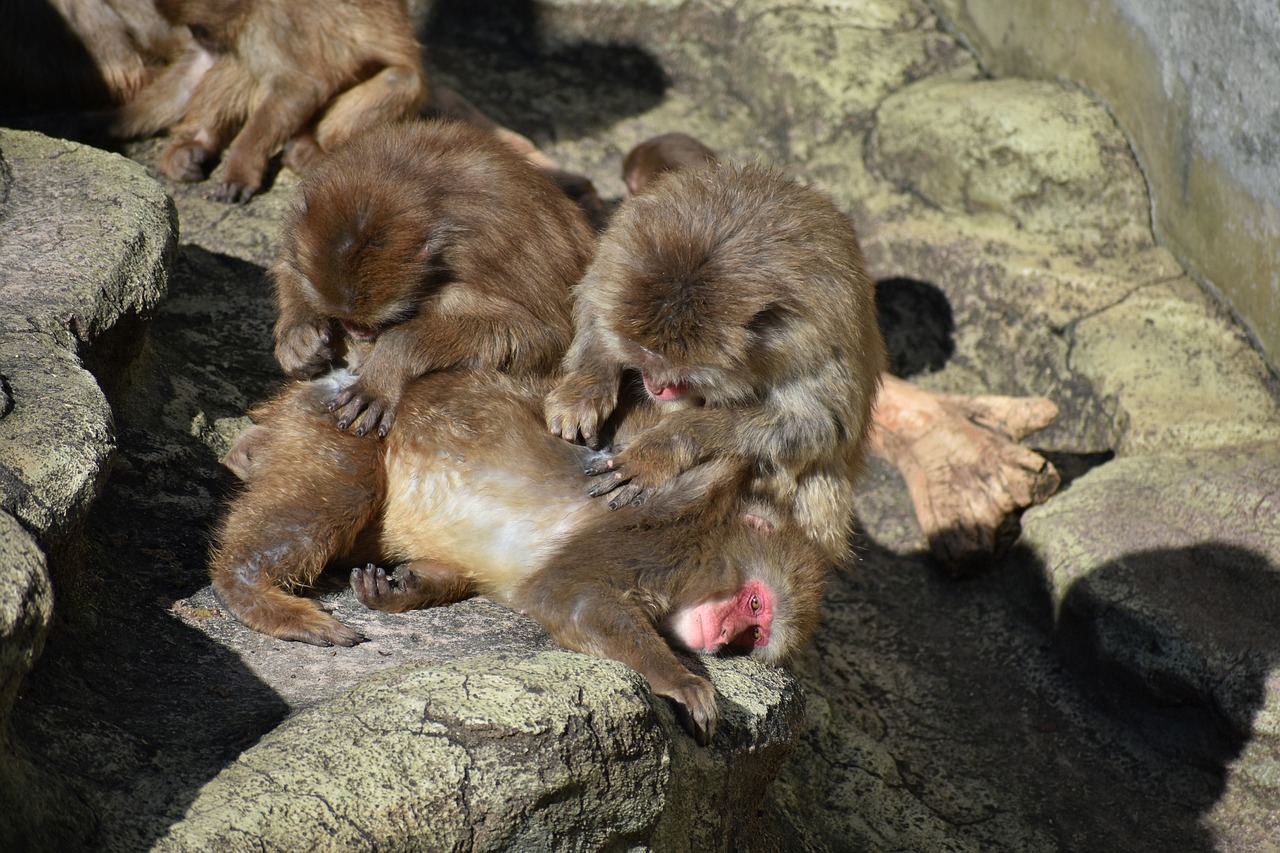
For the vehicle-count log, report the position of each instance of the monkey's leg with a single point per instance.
(962, 462)
(312, 491)
(216, 106)
(597, 622)
(281, 106)
(415, 585)
(395, 93)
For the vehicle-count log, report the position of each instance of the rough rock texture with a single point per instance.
(500, 752)
(1160, 577)
(1194, 86)
(1063, 700)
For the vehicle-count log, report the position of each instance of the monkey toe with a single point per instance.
(233, 192)
(629, 495)
(377, 590)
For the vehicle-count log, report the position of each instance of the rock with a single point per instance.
(501, 752)
(1176, 373)
(1159, 577)
(1047, 158)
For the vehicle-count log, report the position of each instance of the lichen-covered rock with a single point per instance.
(544, 751)
(1047, 158)
(1176, 372)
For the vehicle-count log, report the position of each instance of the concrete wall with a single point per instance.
(1196, 83)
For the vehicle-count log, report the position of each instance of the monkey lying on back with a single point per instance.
(265, 73)
(740, 301)
(438, 245)
(470, 494)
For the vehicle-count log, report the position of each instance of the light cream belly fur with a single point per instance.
(495, 525)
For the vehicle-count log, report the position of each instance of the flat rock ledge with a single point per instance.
(509, 744)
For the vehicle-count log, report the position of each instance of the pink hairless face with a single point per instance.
(740, 623)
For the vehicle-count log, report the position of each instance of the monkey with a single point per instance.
(81, 54)
(659, 155)
(302, 75)
(740, 302)
(471, 495)
(437, 247)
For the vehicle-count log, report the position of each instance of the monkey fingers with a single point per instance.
(614, 481)
(415, 585)
(695, 700)
(233, 192)
(373, 412)
(578, 405)
(303, 349)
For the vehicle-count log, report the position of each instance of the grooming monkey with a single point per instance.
(262, 75)
(470, 494)
(436, 245)
(740, 302)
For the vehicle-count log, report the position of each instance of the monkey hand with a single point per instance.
(373, 407)
(695, 700)
(578, 405)
(630, 476)
(304, 350)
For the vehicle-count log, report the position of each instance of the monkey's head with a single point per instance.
(771, 609)
(367, 246)
(697, 292)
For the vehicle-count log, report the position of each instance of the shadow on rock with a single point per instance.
(918, 325)
(1180, 644)
(939, 718)
(519, 79)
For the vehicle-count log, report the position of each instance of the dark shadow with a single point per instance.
(493, 53)
(31, 79)
(1178, 642)
(918, 326)
(1071, 466)
(981, 713)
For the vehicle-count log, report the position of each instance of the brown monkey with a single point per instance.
(959, 455)
(263, 73)
(437, 245)
(82, 54)
(471, 494)
(660, 154)
(741, 303)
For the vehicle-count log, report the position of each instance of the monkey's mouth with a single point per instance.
(365, 334)
(665, 391)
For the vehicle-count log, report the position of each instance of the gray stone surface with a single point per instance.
(1194, 85)
(1067, 699)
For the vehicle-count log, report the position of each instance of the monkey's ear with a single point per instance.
(758, 523)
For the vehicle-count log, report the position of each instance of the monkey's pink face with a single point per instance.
(739, 623)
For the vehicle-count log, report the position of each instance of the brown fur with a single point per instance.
(659, 155)
(471, 494)
(752, 290)
(453, 250)
(263, 73)
(82, 54)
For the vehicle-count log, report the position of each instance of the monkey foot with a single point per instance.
(377, 590)
(960, 457)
